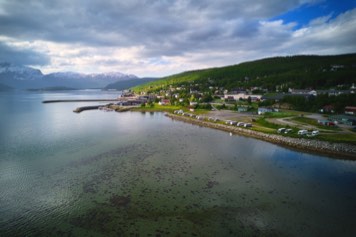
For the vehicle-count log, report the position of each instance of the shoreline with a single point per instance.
(333, 150)
(343, 151)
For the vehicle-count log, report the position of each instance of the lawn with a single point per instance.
(340, 138)
(314, 123)
(158, 108)
(283, 114)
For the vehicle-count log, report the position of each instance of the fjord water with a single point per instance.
(142, 174)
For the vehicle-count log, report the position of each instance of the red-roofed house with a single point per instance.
(164, 102)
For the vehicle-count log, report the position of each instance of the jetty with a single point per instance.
(80, 109)
(84, 100)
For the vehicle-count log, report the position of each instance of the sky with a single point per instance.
(163, 37)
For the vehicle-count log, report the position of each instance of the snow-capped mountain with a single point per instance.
(79, 80)
(23, 77)
(20, 72)
(17, 76)
(114, 75)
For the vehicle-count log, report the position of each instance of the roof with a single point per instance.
(343, 116)
(273, 97)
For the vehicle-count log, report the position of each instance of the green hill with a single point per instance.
(126, 84)
(317, 72)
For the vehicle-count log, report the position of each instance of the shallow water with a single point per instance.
(142, 174)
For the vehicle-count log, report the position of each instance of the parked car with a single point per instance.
(303, 132)
(281, 130)
(315, 133)
(247, 125)
(227, 121)
(240, 124)
(288, 130)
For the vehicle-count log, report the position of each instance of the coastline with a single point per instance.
(334, 150)
(343, 151)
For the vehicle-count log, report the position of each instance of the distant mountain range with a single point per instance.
(22, 77)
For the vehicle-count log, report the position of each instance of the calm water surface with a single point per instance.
(142, 174)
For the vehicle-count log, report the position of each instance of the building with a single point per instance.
(327, 109)
(343, 119)
(351, 110)
(302, 92)
(164, 102)
(263, 110)
(243, 96)
(242, 109)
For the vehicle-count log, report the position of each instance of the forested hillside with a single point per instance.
(317, 72)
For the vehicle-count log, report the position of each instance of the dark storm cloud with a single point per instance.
(23, 57)
(124, 23)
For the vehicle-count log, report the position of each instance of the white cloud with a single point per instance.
(331, 37)
(154, 38)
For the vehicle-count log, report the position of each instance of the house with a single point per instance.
(328, 109)
(351, 110)
(243, 96)
(164, 102)
(336, 67)
(127, 94)
(242, 109)
(302, 92)
(262, 110)
(333, 92)
(344, 119)
(255, 98)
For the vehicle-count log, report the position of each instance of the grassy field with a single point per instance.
(335, 137)
(284, 114)
(314, 123)
(158, 108)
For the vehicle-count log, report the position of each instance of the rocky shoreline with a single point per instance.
(335, 150)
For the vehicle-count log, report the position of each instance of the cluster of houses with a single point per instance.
(307, 93)
(185, 93)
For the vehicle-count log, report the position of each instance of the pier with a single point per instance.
(80, 109)
(84, 100)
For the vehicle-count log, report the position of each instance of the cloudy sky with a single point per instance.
(162, 37)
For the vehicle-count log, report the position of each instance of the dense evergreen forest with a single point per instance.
(299, 72)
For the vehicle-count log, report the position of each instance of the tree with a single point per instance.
(249, 100)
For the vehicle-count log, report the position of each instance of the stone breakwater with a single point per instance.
(336, 150)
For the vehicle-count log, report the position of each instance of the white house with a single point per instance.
(262, 110)
(243, 96)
